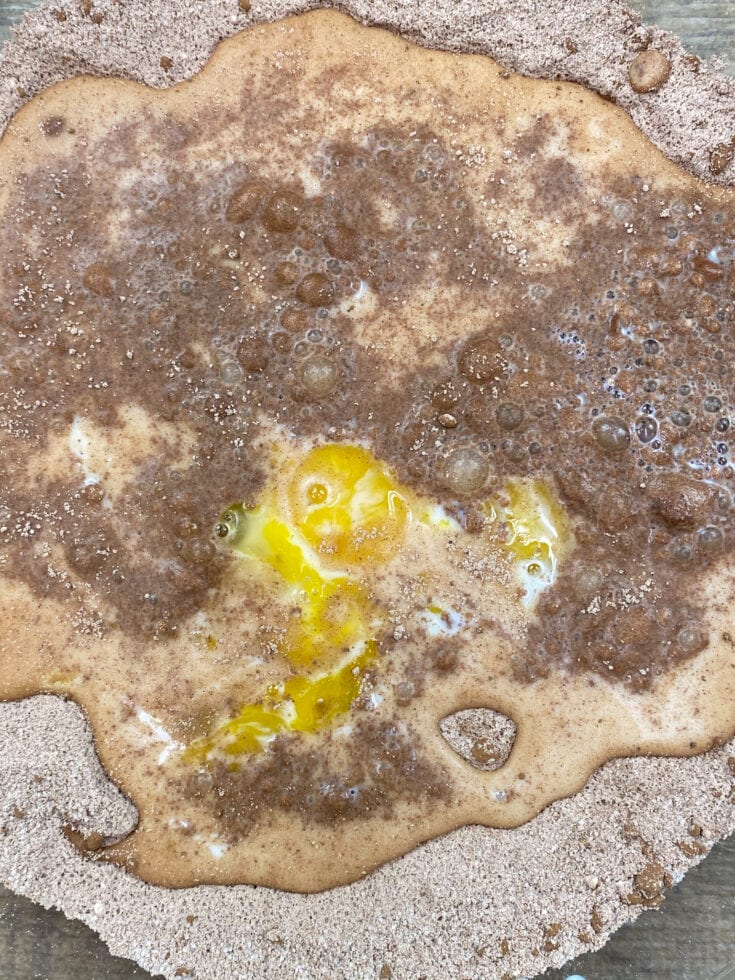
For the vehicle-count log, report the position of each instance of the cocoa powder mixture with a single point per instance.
(593, 866)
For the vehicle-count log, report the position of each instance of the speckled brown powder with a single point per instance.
(471, 878)
(594, 43)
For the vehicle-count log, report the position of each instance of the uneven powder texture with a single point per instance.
(441, 911)
(456, 907)
(593, 43)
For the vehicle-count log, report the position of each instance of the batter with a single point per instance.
(425, 361)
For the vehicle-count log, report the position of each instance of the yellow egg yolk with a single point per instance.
(338, 509)
(347, 505)
(537, 532)
(330, 516)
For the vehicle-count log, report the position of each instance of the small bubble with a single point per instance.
(480, 360)
(691, 639)
(685, 390)
(221, 530)
(710, 538)
(466, 471)
(513, 450)
(672, 232)
(315, 336)
(509, 415)
(203, 779)
(319, 375)
(650, 346)
(231, 372)
(611, 433)
(316, 290)
(712, 403)
(186, 287)
(681, 417)
(722, 425)
(317, 493)
(621, 210)
(650, 385)
(445, 395)
(405, 691)
(683, 552)
(646, 429)
(282, 342)
(587, 581)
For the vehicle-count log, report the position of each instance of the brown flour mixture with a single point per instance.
(475, 409)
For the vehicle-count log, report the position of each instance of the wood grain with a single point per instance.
(42, 943)
(10, 13)
(692, 939)
(707, 27)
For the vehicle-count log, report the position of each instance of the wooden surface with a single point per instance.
(692, 938)
(707, 27)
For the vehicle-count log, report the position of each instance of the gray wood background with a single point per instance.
(691, 938)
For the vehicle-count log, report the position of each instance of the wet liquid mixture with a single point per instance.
(347, 388)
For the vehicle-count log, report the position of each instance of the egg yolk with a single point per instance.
(326, 519)
(299, 704)
(347, 505)
(338, 509)
(537, 532)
